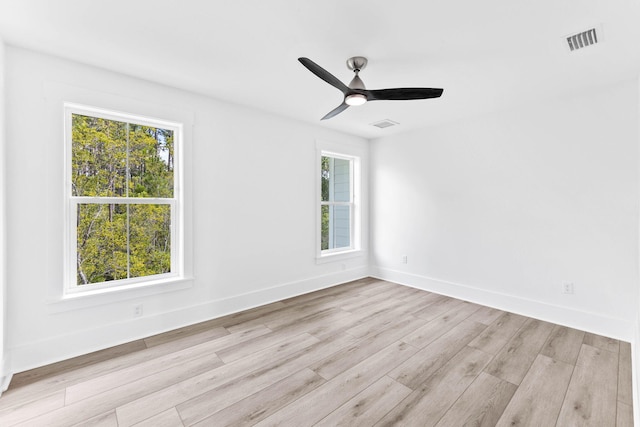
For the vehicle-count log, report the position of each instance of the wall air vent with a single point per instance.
(384, 123)
(583, 39)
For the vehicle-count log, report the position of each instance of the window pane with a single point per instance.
(340, 181)
(150, 161)
(324, 228)
(335, 179)
(99, 156)
(102, 243)
(325, 174)
(335, 229)
(149, 239)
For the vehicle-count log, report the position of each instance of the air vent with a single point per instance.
(581, 40)
(384, 123)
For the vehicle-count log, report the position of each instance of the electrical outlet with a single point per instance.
(137, 310)
(404, 259)
(567, 287)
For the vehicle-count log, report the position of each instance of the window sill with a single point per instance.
(340, 256)
(80, 300)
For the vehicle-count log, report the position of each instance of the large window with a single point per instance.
(124, 201)
(337, 203)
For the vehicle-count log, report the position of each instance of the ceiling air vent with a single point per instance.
(582, 40)
(384, 123)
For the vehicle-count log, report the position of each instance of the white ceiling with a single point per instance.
(487, 55)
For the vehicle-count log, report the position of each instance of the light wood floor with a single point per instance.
(367, 353)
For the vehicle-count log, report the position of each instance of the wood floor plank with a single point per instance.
(438, 308)
(333, 291)
(563, 344)
(514, 360)
(591, 397)
(244, 349)
(481, 405)
(421, 303)
(228, 394)
(486, 315)
(111, 399)
(376, 321)
(624, 415)
(369, 313)
(287, 312)
(150, 404)
(410, 294)
(374, 300)
(496, 336)
(19, 413)
(108, 419)
(437, 327)
(68, 378)
(427, 404)
(376, 287)
(259, 405)
(187, 341)
(321, 325)
(168, 418)
(305, 319)
(252, 314)
(361, 349)
(538, 400)
(625, 393)
(21, 379)
(190, 335)
(369, 406)
(417, 369)
(604, 343)
(114, 379)
(319, 403)
(270, 372)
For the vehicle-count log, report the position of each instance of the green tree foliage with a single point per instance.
(325, 180)
(121, 160)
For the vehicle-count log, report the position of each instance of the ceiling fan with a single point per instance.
(357, 94)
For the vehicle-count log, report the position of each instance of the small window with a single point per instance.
(124, 203)
(337, 203)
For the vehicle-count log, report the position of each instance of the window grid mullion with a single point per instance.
(123, 200)
(126, 192)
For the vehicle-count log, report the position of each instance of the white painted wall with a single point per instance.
(253, 212)
(504, 208)
(5, 373)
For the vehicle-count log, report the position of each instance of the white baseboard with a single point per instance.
(55, 349)
(5, 375)
(591, 322)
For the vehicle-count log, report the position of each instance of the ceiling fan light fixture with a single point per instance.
(355, 99)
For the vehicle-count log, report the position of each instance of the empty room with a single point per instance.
(337, 213)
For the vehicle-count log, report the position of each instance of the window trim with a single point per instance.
(70, 287)
(355, 165)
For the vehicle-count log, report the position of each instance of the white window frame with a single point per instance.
(354, 203)
(176, 204)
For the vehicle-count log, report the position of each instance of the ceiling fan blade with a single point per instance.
(401, 94)
(339, 109)
(323, 74)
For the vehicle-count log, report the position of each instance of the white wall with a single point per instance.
(5, 375)
(253, 213)
(504, 208)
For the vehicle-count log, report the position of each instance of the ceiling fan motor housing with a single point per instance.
(357, 63)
